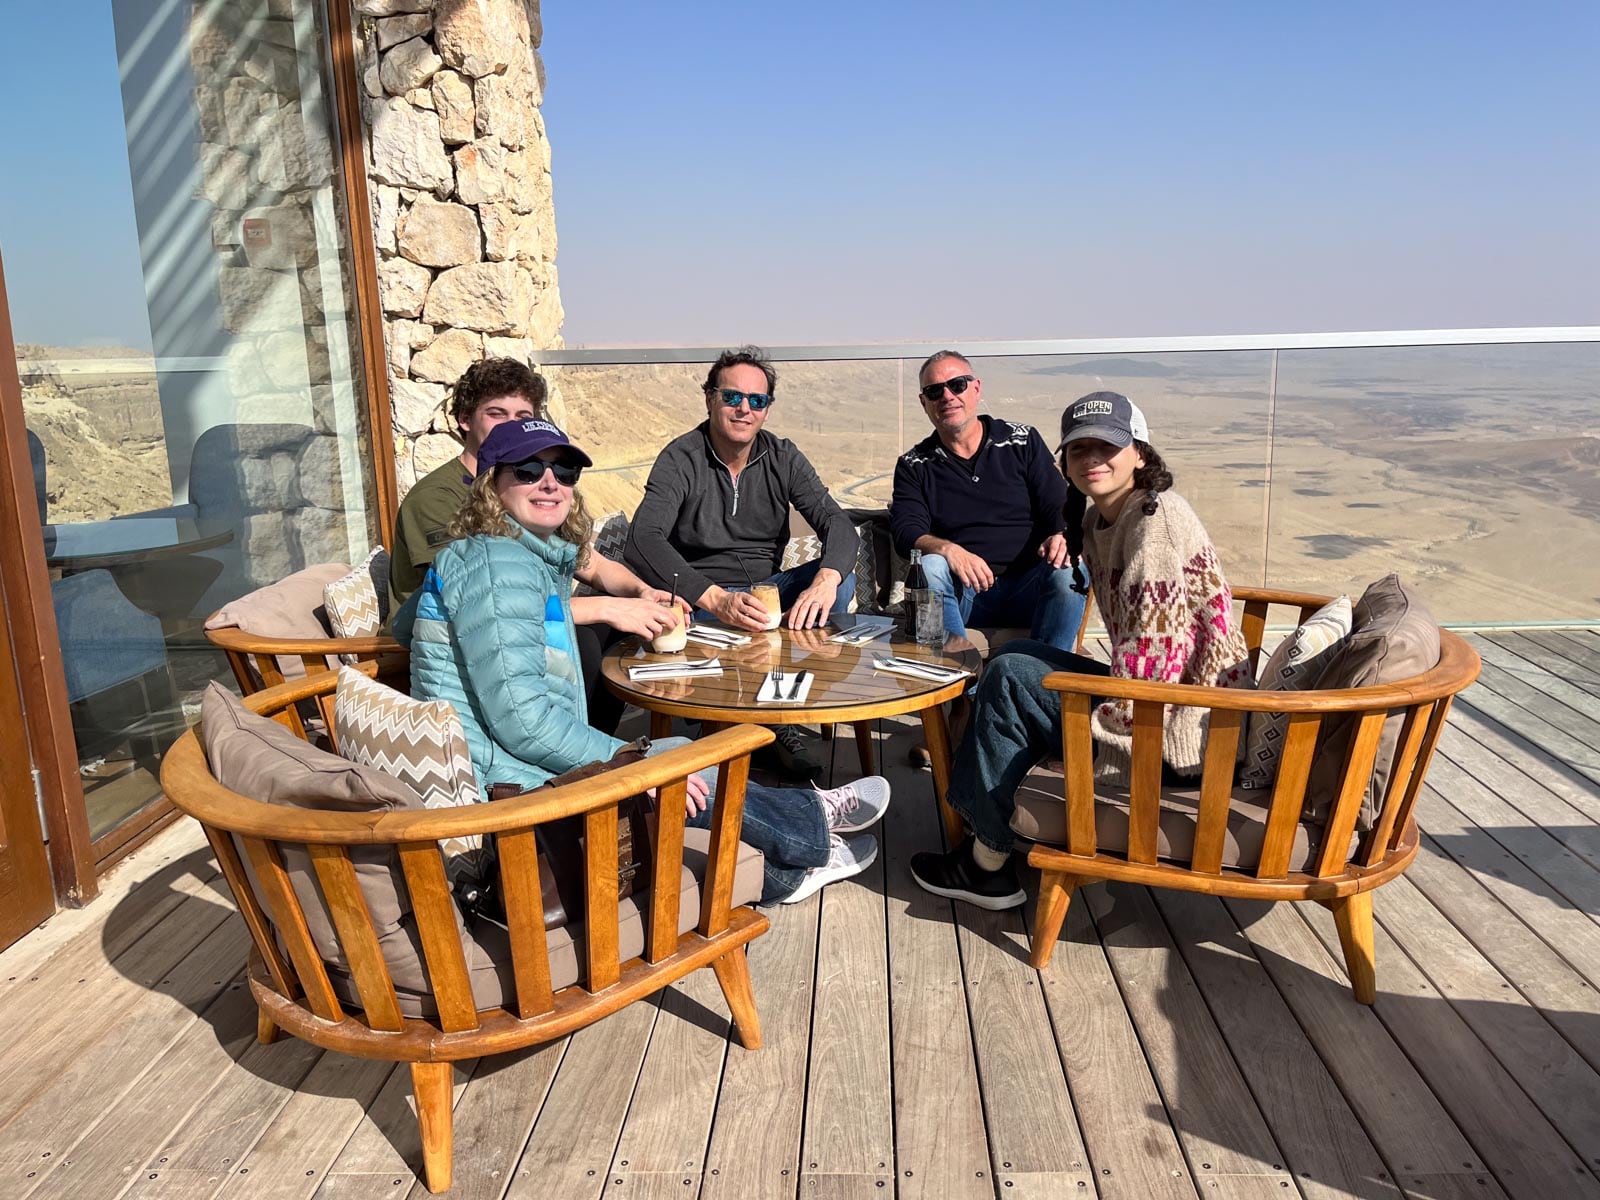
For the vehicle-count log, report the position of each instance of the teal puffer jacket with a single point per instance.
(490, 631)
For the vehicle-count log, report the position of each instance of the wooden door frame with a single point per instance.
(46, 714)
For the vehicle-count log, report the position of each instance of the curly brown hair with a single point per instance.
(484, 514)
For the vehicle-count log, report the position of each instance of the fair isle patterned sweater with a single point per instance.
(1169, 616)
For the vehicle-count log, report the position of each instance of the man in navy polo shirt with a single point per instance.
(981, 498)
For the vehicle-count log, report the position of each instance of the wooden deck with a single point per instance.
(1176, 1047)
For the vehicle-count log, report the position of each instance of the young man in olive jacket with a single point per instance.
(715, 515)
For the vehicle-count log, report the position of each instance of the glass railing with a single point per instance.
(1471, 469)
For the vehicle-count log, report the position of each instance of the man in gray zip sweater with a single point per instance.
(715, 513)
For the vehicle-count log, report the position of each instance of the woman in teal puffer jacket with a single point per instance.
(491, 632)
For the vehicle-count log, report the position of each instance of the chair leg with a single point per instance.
(865, 748)
(1353, 916)
(1055, 894)
(431, 1084)
(266, 1030)
(733, 973)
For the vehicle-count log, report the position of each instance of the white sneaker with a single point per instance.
(846, 857)
(855, 806)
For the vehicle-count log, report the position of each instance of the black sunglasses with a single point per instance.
(957, 385)
(757, 401)
(533, 470)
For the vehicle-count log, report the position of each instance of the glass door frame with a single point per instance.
(76, 857)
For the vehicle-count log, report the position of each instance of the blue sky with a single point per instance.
(892, 170)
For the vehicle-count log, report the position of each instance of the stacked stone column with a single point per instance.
(463, 218)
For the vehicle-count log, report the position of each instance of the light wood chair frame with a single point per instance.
(255, 662)
(294, 992)
(1340, 880)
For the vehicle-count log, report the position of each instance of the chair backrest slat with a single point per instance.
(600, 890)
(1144, 787)
(353, 921)
(716, 892)
(1430, 743)
(1288, 794)
(1353, 781)
(1216, 789)
(267, 667)
(1375, 844)
(1254, 627)
(435, 912)
(1077, 758)
(256, 921)
(290, 922)
(518, 855)
(666, 882)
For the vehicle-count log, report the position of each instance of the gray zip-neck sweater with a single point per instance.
(696, 522)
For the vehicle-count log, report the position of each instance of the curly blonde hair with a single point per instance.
(484, 514)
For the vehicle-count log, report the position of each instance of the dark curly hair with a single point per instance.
(1152, 479)
(492, 378)
(743, 356)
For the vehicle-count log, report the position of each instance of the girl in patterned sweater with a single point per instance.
(1169, 618)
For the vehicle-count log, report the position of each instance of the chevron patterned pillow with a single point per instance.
(609, 538)
(358, 603)
(419, 742)
(1294, 665)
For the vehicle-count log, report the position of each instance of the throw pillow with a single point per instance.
(1393, 637)
(291, 608)
(358, 602)
(1295, 665)
(420, 743)
(608, 541)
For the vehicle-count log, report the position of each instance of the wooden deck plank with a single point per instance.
(1564, 666)
(1579, 649)
(669, 1123)
(1513, 1138)
(385, 1151)
(1567, 1001)
(104, 1068)
(1328, 1152)
(1133, 1150)
(1571, 933)
(1032, 1129)
(1557, 777)
(1222, 1132)
(940, 1146)
(1527, 1045)
(1394, 1103)
(493, 1116)
(849, 1125)
(755, 1138)
(295, 1151)
(1561, 732)
(575, 1136)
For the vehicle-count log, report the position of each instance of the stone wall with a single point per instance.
(459, 181)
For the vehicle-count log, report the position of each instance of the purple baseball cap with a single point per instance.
(513, 442)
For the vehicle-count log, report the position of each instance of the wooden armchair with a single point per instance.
(258, 845)
(1339, 870)
(257, 663)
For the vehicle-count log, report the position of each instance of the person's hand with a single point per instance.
(971, 570)
(815, 641)
(635, 614)
(738, 610)
(696, 797)
(1054, 550)
(815, 603)
(666, 598)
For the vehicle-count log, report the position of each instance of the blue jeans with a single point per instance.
(787, 825)
(1041, 599)
(1015, 722)
(796, 580)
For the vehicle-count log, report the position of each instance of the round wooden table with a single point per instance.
(845, 688)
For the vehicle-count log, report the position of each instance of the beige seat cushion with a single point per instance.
(1393, 637)
(291, 608)
(257, 757)
(1041, 816)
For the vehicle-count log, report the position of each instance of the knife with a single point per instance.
(799, 681)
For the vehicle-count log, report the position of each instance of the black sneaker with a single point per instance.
(788, 754)
(956, 876)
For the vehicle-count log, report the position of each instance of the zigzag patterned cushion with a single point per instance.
(419, 742)
(799, 550)
(1296, 664)
(358, 603)
(610, 536)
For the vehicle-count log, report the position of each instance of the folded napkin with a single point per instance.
(645, 672)
(918, 669)
(716, 637)
(777, 689)
(862, 633)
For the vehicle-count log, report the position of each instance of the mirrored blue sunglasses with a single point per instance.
(757, 401)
